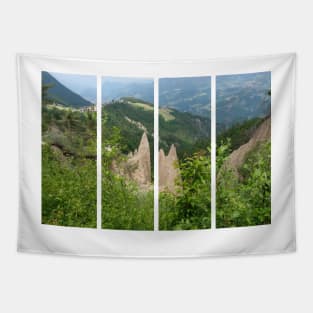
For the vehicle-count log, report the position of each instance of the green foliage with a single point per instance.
(240, 201)
(44, 93)
(239, 133)
(129, 119)
(69, 174)
(190, 208)
(245, 201)
(68, 167)
(124, 205)
(72, 131)
(189, 133)
(68, 189)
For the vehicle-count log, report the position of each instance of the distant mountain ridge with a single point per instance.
(114, 88)
(242, 97)
(61, 94)
(133, 116)
(186, 94)
(238, 97)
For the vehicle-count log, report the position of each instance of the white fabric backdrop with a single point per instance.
(274, 238)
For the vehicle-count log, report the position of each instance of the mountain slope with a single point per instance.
(61, 94)
(242, 97)
(186, 94)
(239, 133)
(187, 132)
(133, 117)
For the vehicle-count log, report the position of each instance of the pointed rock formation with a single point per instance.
(137, 166)
(140, 162)
(169, 172)
(162, 170)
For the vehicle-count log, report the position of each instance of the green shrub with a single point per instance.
(68, 190)
(190, 208)
(246, 201)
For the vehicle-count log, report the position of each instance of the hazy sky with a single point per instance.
(112, 87)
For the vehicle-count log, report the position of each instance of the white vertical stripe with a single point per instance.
(156, 154)
(99, 154)
(213, 152)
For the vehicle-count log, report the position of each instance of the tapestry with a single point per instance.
(188, 158)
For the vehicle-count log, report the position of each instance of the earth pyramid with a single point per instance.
(169, 172)
(140, 162)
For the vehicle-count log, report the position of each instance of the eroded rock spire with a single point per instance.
(169, 173)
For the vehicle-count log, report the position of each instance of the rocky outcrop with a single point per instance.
(237, 157)
(140, 162)
(137, 167)
(169, 173)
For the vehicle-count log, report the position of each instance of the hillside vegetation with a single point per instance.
(68, 167)
(243, 200)
(131, 116)
(124, 204)
(239, 133)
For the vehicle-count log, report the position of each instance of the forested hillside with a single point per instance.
(133, 116)
(239, 133)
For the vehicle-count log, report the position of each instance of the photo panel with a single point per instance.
(127, 153)
(184, 153)
(69, 149)
(243, 153)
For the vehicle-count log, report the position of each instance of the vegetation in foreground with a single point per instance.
(69, 179)
(190, 207)
(124, 205)
(68, 167)
(240, 201)
(244, 200)
(68, 190)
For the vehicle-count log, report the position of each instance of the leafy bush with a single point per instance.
(68, 189)
(69, 175)
(240, 201)
(190, 208)
(246, 201)
(124, 206)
